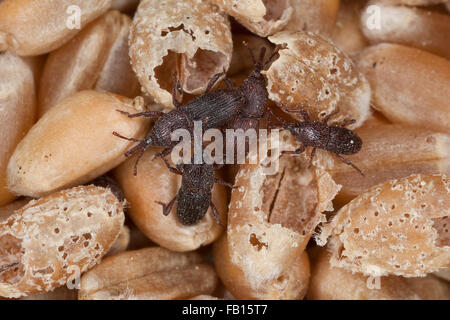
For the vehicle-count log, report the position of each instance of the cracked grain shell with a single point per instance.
(270, 221)
(328, 283)
(192, 38)
(262, 17)
(34, 27)
(399, 227)
(312, 74)
(54, 235)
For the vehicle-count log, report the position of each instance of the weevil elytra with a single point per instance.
(195, 193)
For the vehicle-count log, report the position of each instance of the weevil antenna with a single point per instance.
(260, 64)
(250, 50)
(275, 52)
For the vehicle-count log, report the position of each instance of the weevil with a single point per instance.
(195, 193)
(319, 135)
(214, 108)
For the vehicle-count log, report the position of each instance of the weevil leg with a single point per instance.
(141, 147)
(147, 114)
(262, 53)
(270, 113)
(216, 214)
(270, 123)
(302, 112)
(9, 266)
(167, 207)
(213, 81)
(126, 138)
(348, 162)
(245, 43)
(347, 122)
(229, 185)
(297, 151)
(313, 153)
(230, 84)
(176, 91)
(163, 153)
(171, 169)
(274, 53)
(328, 117)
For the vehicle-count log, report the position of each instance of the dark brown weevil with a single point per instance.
(194, 195)
(214, 108)
(318, 134)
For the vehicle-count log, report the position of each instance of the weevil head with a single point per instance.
(345, 141)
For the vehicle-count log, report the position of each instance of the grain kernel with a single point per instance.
(49, 236)
(317, 16)
(23, 32)
(125, 5)
(347, 34)
(413, 2)
(152, 273)
(17, 111)
(97, 58)
(409, 86)
(73, 143)
(121, 243)
(409, 26)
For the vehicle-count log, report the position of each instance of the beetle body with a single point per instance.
(319, 135)
(336, 139)
(234, 107)
(194, 196)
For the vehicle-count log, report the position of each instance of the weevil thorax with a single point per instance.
(254, 90)
(310, 133)
(344, 141)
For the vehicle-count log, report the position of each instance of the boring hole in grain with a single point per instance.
(202, 67)
(11, 251)
(254, 241)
